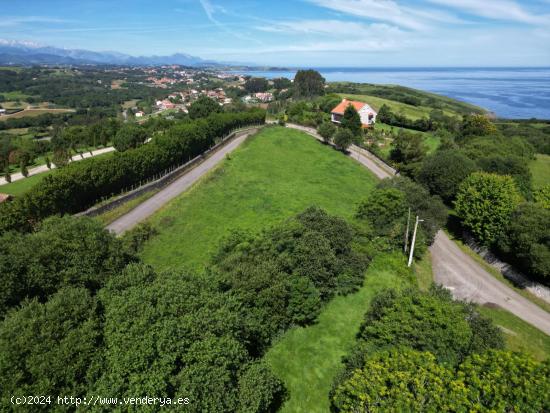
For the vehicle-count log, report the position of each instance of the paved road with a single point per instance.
(153, 204)
(43, 168)
(455, 269)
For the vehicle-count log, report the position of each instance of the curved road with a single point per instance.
(151, 205)
(453, 268)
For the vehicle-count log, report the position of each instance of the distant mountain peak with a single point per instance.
(27, 52)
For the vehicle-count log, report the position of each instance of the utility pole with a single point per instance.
(407, 232)
(413, 240)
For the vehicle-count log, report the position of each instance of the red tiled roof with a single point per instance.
(341, 107)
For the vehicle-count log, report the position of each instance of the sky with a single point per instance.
(315, 33)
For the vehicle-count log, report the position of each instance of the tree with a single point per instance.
(477, 125)
(444, 171)
(259, 389)
(352, 121)
(281, 83)
(61, 157)
(63, 252)
(130, 136)
(430, 208)
(542, 196)
(485, 202)
(385, 210)
(256, 84)
(327, 131)
(515, 166)
(308, 83)
(203, 107)
(408, 148)
(343, 139)
(51, 348)
(525, 240)
(385, 115)
(409, 381)
(7, 174)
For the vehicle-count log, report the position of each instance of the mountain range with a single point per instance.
(28, 53)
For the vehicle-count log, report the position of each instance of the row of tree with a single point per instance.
(81, 184)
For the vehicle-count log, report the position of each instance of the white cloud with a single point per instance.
(495, 9)
(16, 21)
(389, 11)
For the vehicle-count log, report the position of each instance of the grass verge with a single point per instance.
(109, 216)
(520, 336)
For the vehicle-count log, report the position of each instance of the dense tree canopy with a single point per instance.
(63, 252)
(526, 240)
(203, 107)
(308, 83)
(256, 84)
(411, 381)
(444, 171)
(485, 203)
(129, 136)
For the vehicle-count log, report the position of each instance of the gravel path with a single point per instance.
(453, 268)
(153, 204)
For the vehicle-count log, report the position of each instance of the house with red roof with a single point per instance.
(366, 112)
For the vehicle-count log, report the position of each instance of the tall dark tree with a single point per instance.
(351, 120)
(203, 107)
(256, 84)
(308, 83)
(130, 136)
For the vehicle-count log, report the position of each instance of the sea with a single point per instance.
(512, 92)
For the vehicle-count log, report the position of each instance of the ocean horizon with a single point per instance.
(508, 92)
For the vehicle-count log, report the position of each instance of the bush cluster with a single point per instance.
(420, 351)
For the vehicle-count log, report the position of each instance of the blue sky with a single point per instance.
(295, 32)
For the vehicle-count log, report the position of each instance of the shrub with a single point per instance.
(343, 138)
(259, 390)
(327, 131)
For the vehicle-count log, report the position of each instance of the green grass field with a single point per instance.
(540, 168)
(413, 112)
(274, 175)
(430, 140)
(307, 359)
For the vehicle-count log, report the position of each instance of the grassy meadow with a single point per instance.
(307, 359)
(540, 168)
(274, 175)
